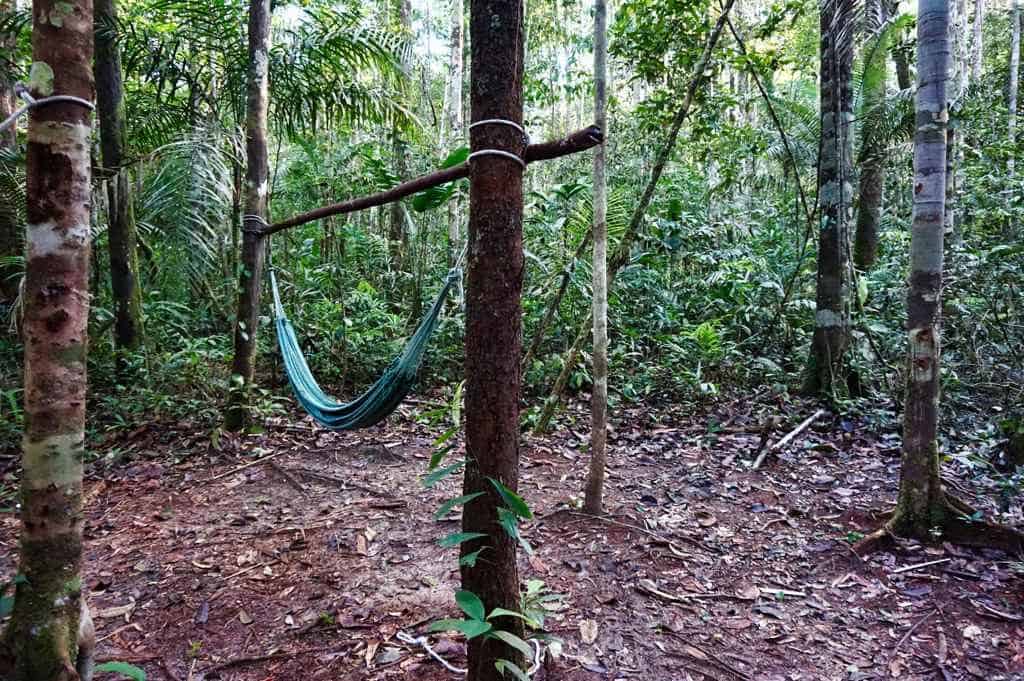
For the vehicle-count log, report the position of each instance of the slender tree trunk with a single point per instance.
(977, 44)
(599, 393)
(873, 151)
(1011, 126)
(622, 251)
(250, 278)
(555, 302)
(43, 633)
(121, 231)
(455, 122)
(493, 318)
(921, 496)
(398, 234)
(827, 370)
(10, 227)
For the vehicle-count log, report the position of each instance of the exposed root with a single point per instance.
(957, 527)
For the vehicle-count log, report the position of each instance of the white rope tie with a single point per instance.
(500, 152)
(258, 219)
(497, 152)
(32, 103)
(422, 642)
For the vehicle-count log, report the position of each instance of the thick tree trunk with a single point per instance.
(121, 230)
(873, 152)
(493, 318)
(599, 394)
(921, 501)
(622, 251)
(43, 634)
(1011, 126)
(977, 41)
(827, 370)
(253, 245)
(10, 228)
(455, 121)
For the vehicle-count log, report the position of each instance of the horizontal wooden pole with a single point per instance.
(581, 140)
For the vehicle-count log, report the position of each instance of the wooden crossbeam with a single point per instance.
(581, 140)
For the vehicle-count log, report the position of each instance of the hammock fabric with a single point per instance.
(383, 397)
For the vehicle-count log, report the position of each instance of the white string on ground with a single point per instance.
(35, 103)
(422, 642)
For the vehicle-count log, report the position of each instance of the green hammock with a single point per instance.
(383, 397)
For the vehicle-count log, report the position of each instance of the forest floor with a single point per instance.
(307, 564)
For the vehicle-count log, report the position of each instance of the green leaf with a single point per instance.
(471, 628)
(514, 641)
(457, 404)
(456, 157)
(470, 558)
(514, 502)
(470, 604)
(502, 612)
(458, 538)
(438, 456)
(124, 669)
(508, 521)
(504, 665)
(439, 475)
(447, 506)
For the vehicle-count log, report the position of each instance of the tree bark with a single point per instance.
(921, 501)
(43, 634)
(1011, 127)
(10, 227)
(594, 492)
(493, 318)
(827, 370)
(621, 254)
(398, 235)
(977, 42)
(121, 229)
(873, 151)
(254, 246)
(455, 122)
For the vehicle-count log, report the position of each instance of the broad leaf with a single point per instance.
(470, 604)
(514, 641)
(442, 473)
(124, 669)
(458, 538)
(504, 665)
(471, 628)
(514, 502)
(470, 558)
(447, 506)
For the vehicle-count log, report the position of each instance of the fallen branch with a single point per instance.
(581, 140)
(908, 568)
(786, 439)
(237, 469)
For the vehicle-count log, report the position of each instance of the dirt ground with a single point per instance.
(307, 564)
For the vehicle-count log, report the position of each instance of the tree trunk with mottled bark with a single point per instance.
(493, 319)
(254, 245)
(398, 233)
(121, 229)
(42, 638)
(455, 75)
(10, 227)
(594, 491)
(873, 156)
(827, 370)
(923, 509)
(977, 41)
(1011, 127)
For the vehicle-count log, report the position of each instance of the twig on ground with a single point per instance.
(910, 631)
(242, 467)
(786, 439)
(287, 475)
(252, 659)
(908, 568)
